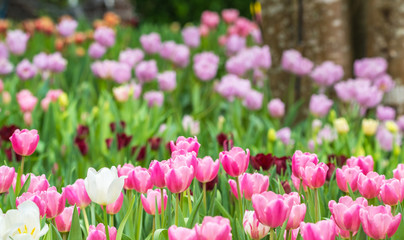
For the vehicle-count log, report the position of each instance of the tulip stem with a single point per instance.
(189, 201)
(22, 164)
(272, 232)
(240, 199)
(106, 221)
(316, 204)
(111, 220)
(204, 195)
(177, 201)
(154, 226)
(288, 232)
(162, 207)
(86, 219)
(64, 235)
(350, 236)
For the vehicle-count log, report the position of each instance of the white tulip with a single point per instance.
(23, 223)
(104, 187)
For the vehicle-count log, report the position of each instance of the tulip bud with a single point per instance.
(271, 135)
(221, 120)
(63, 100)
(6, 97)
(341, 125)
(369, 126)
(391, 126)
(332, 115)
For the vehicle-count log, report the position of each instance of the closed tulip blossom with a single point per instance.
(154, 98)
(378, 221)
(181, 233)
(64, 220)
(35, 198)
(187, 144)
(297, 213)
(67, 27)
(7, 175)
(179, 179)
(56, 62)
(369, 184)
(98, 233)
(293, 61)
(235, 162)
(384, 113)
(345, 213)
(327, 74)
(253, 227)
(284, 135)
(314, 175)
(348, 175)
(214, 228)
(250, 184)
(55, 202)
(151, 43)
(276, 108)
(26, 101)
(105, 36)
(272, 209)
(131, 56)
(153, 197)
(191, 36)
(76, 194)
(26, 70)
(146, 71)
(37, 183)
(206, 65)
(167, 80)
(322, 230)
(158, 171)
(320, 105)
(16, 41)
(398, 173)
(370, 68)
(103, 187)
(391, 192)
(181, 56)
(139, 179)
(206, 169)
(115, 207)
(210, 19)
(6, 66)
(300, 160)
(230, 15)
(364, 163)
(24, 141)
(253, 100)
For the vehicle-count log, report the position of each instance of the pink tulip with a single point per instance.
(250, 184)
(16, 41)
(124, 171)
(276, 108)
(64, 220)
(115, 207)
(314, 175)
(253, 227)
(377, 222)
(230, 15)
(26, 101)
(158, 171)
(398, 173)
(210, 19)
(235, 162)
(98, 233)
(105, 36)
(364, 163)
(296, 183)
(151, 43)
(131, 56)
(293, 61)
(181, 233)
(6, 66)
(35, 198)
(24, 141)
(55, 202)
(272, 209)
(67, 27)
(369, 184)
(206, 169)
(346, 212)
(187, 144)
(253, 100)
(181, 158)
(56, 62)
(7, 175)
(140, 180)
(167, 80)
(299, 161)
(191, 36)
(206, 65)
(179, 179)
(26, 70)
(320, 105)
(214, 228)
(76, 194)
(298, 211)
(391, 192)
(149, 202)
(348, 175)
(154, 98)
(322, 230)
(37, 183)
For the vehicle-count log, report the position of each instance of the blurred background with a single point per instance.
(337, 30)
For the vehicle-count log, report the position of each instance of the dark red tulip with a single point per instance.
(112, 126)
(154, 143)
(281, 164)
(210, 185)
(142, 153)
(7, 131)
(221, 138)
(330, 172)
(82, 145)
(10, 152)
(264, 161)
(340, 160)
(82, 131)
(286, 187)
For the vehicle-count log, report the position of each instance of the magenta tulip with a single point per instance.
(139, 179)
(314, 175)
(124, 171)
(272, 209)
(181, 233)
(37, 183)
(115, 207)
(253, 227)
(377, 222)
(24, 142)
(369, 184)
(187, 144)
(206, 169)
(399, 171)
(98, 233)
(298, 211)
(153, 197)
(158, 171)
(391, 192)
(364, 163)
(179, 179)
(214, 228)
(235, 162)
(76, 194)
(299, 161)
(322, 230)
(35, 198)
(55, 202)
(7, 175)
(348, 175)
(64, 220)
(250, 184)
(346, 212)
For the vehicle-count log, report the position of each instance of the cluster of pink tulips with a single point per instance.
(260, 211)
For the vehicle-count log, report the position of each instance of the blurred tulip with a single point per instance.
(98, 233)
(399, 171)
(7, 175)
(297, 212)
(214, 228)
(391, 192)
(369, 184)
(322, 230)
(250, 184)
(181, 233)
(253, 227)
(64, 220)
(25, 141)
(364, 163)
(346, 213)
(153, 197)
(377, 221)
(348, 175)
(300, 160)
(206, 169)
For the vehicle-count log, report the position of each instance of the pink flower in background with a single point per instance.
(203, 30)
(256, 35)
(35, 198)
(385, 113)
(231, 86)
(105, 36)
(76, 194)
(190, 125)
(250, 184)
(398, 173)
(54, 202)
(67, 27)
(206, 169)
(7, 175)
(378, 221)
(253, 227)
(314, 175)
(37, 183)
(122, 93)
(16, 41)
(345, 213)
(253, 100)
(320, 105)
(146, 71)
(327, 73)
(284, 135)
(206, 65)
(3, 50)
(98, 233)
(243, 26)
(6, 66)
(235, 43)
(180, 57)
(348, 175)
(370, 68)
(191, 37)
(26, 70)
(322, 230)
(149, 202)
(41, 61)
(392, 192)
(151, 43)
(297, 212)
(300, 160)
(26, 100)
(167, 49)
(385, 139)
(96, 50)
(121, 72)
(131, 56)
(64, 220)
(214, 228)
(364, 163)
(187, 144)
(116, 206)
(276, 108)
(230, 15)
(56, 63)
(139, 179)
(235, 162)
(181, 233)
(369, 184)
(384, 82)
(154, 98)
(294, 62)
(210, 19)
(24, 141)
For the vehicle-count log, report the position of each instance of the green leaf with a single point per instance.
(55, 233)
(75, 230)
(160, 234)
(125, 219)
(221, 209)
(191, 219)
